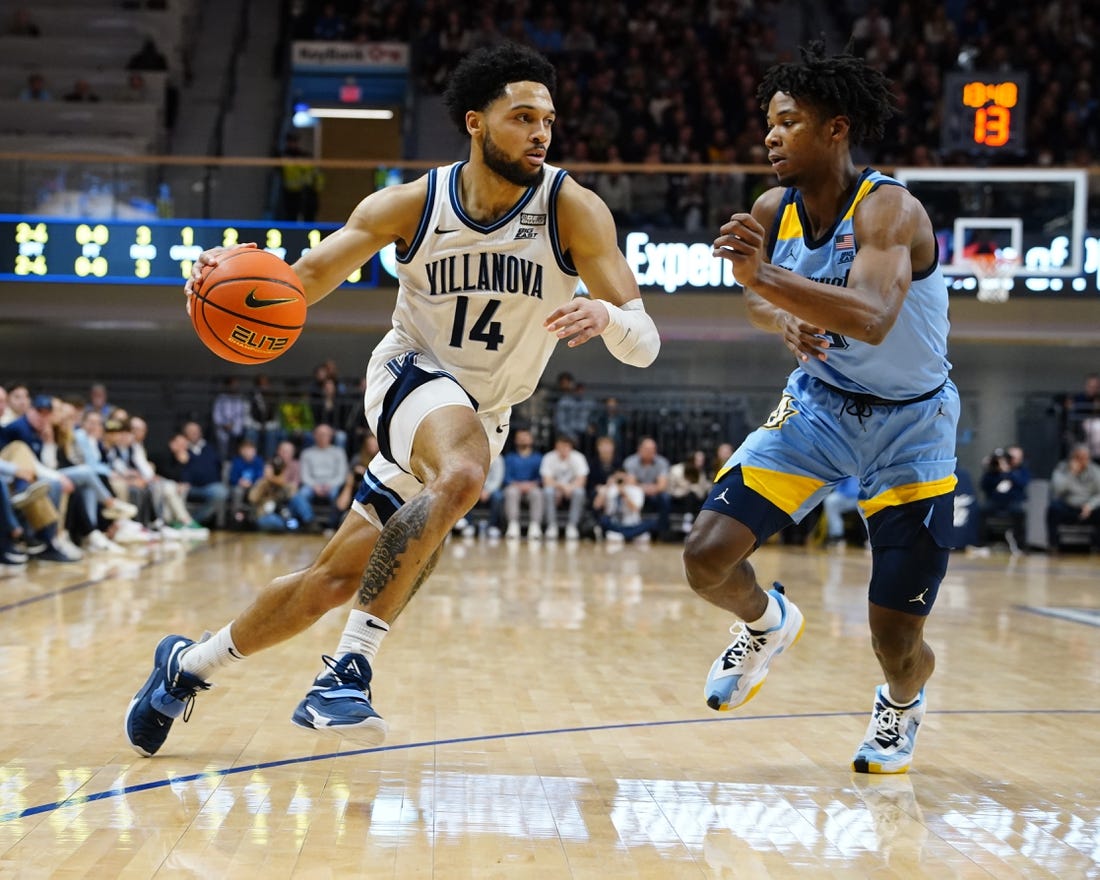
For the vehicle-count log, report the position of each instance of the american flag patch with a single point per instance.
(846, 242)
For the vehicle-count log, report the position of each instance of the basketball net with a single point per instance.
(995, 273)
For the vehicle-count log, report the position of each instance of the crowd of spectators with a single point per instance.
(77, 477)
(129, 86)
(663, 83)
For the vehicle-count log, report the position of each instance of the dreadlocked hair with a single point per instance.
(481, 77)
(837, 85)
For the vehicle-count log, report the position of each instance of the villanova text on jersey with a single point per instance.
(495, 273)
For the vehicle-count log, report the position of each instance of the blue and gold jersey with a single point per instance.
(912, 359)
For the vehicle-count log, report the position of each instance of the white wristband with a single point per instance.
(630, 335)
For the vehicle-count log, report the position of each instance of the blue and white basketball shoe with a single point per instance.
(339, 701)
(168, 693)
(887, 746)
(739, 673)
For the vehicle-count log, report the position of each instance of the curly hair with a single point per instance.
(837, 85)
(480, 78)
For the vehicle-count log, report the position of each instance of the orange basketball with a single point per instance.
(250, 308)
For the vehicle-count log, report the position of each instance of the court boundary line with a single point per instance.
(80, 800)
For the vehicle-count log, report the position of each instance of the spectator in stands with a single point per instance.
(97, 400)
(262, 426)
(35, 89)
(229, 417)
(18, 401)
(270, 497)
(148, 57)
(610, 422)
(169, 503)
(136, 91)
(21, 445)
(721, 455)
(324, 469)
(329, 409)
(126, 480)
(20, 24)
(564, 473)
(368, 449)
(490, 504)
(81, 91)
(650, 471)
(12, 561)
(1004, 485)
(843, 499)
(619, 506)
(573, 412)
(688, 486)
(302, 182)
(296, 415)
(1083, 416)
(1074, 495)
(522, 482)
(246, 469)
(603, 464)
(201, 473)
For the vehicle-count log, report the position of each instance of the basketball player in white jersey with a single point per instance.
(489, 254)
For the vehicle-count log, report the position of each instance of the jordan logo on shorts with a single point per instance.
(920, 597)
(721, 496)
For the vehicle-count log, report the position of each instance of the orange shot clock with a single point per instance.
(985, 112)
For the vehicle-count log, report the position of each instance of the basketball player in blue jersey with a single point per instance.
(842, 264)
(489, 254)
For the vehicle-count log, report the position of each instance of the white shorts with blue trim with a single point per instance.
(401, 393)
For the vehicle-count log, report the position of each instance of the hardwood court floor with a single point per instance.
(547, 721)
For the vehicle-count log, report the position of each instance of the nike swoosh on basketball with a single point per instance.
(254, 302)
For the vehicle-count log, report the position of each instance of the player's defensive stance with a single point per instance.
(841, 263)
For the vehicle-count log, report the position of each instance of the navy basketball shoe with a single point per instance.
(168, 693)
(339, 701)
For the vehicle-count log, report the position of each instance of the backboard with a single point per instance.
(1033, 216)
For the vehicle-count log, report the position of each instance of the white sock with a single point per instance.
(770, 619)
(363, 635)
(203, 658)
(895, 703)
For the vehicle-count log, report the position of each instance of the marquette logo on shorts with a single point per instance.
(781, 413)
(532, 219)
(250, 339)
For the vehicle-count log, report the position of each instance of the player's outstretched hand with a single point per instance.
(578, 320)
(741, 241)
(207, 260)
(805, 340)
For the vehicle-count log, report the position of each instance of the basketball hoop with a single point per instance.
(995, 272)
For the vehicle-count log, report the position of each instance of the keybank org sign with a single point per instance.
(333, 56)
(677, 265)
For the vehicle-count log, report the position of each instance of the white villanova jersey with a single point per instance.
(473, 297)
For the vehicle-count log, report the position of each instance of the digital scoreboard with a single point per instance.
(984, 112)
(143, 251)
